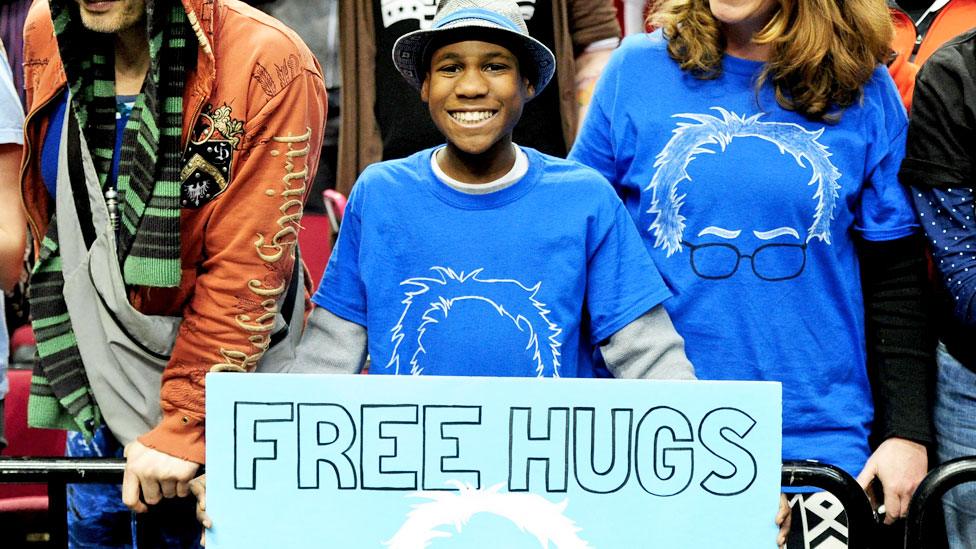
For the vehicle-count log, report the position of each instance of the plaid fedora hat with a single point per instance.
(501, 16)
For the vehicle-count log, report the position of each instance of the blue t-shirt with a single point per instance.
(750, 213)
(524, 281)
(52, 140)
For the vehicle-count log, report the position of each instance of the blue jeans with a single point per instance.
(955, 427)
(97, 518)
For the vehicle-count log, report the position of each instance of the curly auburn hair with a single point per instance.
(822, 52)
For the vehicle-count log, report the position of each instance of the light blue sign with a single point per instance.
(401, 462)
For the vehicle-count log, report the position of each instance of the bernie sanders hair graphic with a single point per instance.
(423, 11)
(510, 298)
(689, 140)
(531, 513)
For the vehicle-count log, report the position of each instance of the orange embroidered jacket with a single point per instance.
(957, 17)
(256, 93)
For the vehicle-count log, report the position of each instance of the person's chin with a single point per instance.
(99, 22)
(473, 147)
(473, 142)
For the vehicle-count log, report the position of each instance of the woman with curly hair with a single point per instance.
(756, 144)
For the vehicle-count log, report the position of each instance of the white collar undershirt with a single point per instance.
(518, 171)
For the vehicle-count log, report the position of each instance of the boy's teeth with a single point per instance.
(472, 117)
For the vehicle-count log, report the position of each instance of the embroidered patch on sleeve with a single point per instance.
(208, 160)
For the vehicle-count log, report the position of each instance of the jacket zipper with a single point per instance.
(28, 149)
(193, 122)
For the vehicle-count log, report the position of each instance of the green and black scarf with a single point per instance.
(148, 192)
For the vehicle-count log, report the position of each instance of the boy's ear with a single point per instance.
(529, 88)
(425, 89)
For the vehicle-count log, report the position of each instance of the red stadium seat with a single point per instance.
(25, 441)
(318, 234)
(24, 518)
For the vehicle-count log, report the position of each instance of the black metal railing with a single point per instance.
(939, 481)
(862, 522)
(861, 518)
(57, 473)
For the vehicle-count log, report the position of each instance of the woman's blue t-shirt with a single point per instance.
(750, 212)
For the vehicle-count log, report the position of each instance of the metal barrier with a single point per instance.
(939, 481)
(58, 473)
(862, 522)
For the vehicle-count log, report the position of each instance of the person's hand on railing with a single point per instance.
(783, 519)
(899, 465)
(153, 475)
(198, 487)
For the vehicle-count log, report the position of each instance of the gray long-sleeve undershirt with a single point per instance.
(647, 348)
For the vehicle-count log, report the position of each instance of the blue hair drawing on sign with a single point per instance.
(691, 139)
(429, 300)
(531, 513)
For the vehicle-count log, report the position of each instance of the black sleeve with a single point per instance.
(900, 337)
(939, 151)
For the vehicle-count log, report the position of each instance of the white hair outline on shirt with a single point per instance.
(451, 287)
(423, 11)
(531, 513)
(688, 140)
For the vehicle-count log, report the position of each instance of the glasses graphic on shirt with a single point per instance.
(771, 262)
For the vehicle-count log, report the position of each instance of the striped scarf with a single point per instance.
(148, 192)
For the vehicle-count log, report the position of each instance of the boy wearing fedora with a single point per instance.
(480, 257)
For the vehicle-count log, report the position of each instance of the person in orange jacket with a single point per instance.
(921, 27)
(167, 150)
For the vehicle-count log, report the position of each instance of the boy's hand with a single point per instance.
(153, 475)
(198, 487)
(783, 519)
(899, 465)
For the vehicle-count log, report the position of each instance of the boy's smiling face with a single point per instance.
(475, 93)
